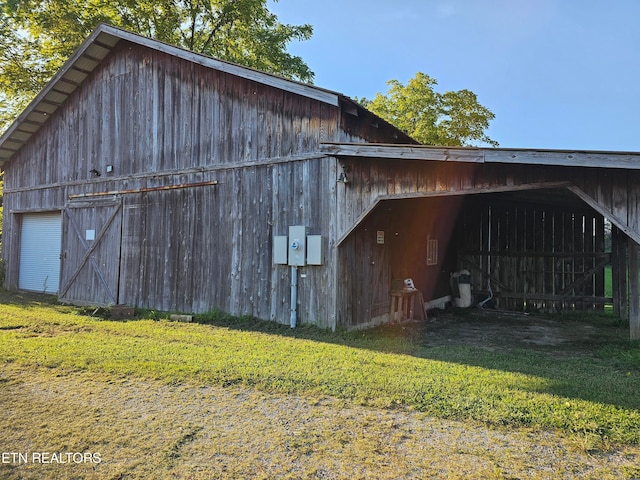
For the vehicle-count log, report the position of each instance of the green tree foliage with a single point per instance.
(37, 36)
(430, 117)
(1, 218)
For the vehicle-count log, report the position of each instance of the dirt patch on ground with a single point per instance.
(558, 335)
(146, 429)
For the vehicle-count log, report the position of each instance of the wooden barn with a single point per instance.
(150, 176)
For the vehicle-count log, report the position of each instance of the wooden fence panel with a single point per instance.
(539, 258)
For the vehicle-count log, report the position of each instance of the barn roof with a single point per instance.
(527, 156)
(97, 46)
(100, 43)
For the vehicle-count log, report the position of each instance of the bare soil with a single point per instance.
(146, 429)
(558, 335)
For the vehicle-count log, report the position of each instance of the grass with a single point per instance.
(592, 399)
(238, 398)
(144, 429)
(608, 281)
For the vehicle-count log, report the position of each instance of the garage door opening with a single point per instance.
(40, 247)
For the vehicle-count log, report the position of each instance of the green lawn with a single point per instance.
(608, 282)
(592, 398)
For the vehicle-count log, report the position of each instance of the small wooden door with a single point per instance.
(92, 236)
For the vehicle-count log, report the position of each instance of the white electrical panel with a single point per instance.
(314, 249)
(297, 245)
(280, 250)
(298, 249)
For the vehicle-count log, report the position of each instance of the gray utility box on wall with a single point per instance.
(297, 245)
(314, 250)
(298, 249)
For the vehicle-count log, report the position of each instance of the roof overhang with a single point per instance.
(564, 158)
(63, 84)
(89, 56)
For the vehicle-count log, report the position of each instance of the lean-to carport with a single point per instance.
(607, 184)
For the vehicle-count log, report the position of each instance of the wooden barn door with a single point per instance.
(92, 235)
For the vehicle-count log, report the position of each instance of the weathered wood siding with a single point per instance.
(144, 111)
(374, 180)
(91, 251)
(405, 227)
(159, 121)
(242, 159)
(200, 248)
(614, 193)
(162, 121)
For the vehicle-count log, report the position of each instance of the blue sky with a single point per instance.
(559, 74)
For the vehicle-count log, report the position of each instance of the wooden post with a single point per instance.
(619, 272)
(615, 285)
(599, 248)
(634, 291)
(622, 275)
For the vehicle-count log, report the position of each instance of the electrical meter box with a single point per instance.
(298, 249)
(297, 245)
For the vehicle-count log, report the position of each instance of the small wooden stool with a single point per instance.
(402, 305)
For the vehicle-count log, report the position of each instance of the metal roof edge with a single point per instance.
(526, 156)
(7, 153)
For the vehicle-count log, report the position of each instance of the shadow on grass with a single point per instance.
(594, 361)
(26, 299)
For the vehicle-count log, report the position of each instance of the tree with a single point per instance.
(1, 218)
(432, 118)
(39, 35)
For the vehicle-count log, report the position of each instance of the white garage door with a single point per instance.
(41, 238)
